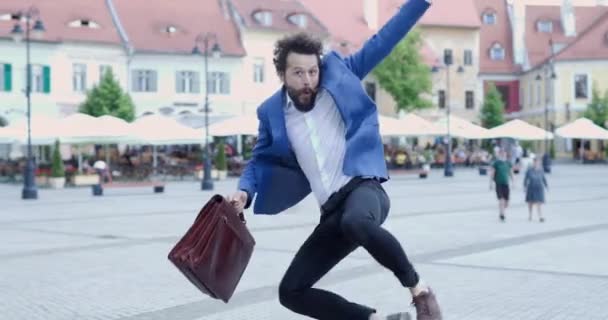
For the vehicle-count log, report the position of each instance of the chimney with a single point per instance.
(568, 21)
(370, 13)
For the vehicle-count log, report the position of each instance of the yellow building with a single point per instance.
(566, 57)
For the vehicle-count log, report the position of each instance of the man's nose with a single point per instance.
(306, 79)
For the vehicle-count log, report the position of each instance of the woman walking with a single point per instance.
(535, 184)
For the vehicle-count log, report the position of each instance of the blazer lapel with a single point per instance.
(277, 121)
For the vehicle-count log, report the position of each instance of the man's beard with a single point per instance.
(303, 99)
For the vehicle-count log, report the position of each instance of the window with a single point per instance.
(263, 17)
(468, 57)
(469, 100)
(258, 70)
(448, 59)
(531, 94)
(187, 82)
(489, 18)
(370, 89)
(82, 23)
(219, 83)
(538, 94)
(497, 52)
(441, 100)
(103, 69)
(6, 81)
(144, 80)
(581, 86)
(544, 26)
(79, 77)
(299, 20)
(40, 78)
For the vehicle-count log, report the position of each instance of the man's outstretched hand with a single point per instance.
(238, 200)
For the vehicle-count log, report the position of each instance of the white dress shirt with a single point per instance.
(318, 139)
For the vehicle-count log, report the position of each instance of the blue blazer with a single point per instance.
(273, 172)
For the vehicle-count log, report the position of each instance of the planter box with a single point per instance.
(86, 179)
(219, 174)
(42, 181)
(57, 183)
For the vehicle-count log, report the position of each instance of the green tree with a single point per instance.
(492, 110)
(597, 110)
(108, 98)
(220, 155)
(57, 168)
(404, 75)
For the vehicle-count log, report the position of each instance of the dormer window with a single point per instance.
(544, 26)
(299, 20)
(84, 23)
(497, 52)
(263, 17)
(170, 30)
(489, 17)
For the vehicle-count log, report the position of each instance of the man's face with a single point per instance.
(301, 79)
(502, 155)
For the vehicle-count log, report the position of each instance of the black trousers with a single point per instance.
(354, 220)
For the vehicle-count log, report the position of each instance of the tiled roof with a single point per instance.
(537, 43)
(490, 34)
(451, 13)
(57, 17)
(147, 22)
(280, 10)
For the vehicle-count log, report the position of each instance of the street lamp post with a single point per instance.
(549, 75)
(448, 168)
(205, 39)
(30, 191)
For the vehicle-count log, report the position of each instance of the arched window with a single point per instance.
(497, 52)
(300, 20)
(489, 17)
(263, 17)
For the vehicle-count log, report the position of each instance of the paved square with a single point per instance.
(69, 255)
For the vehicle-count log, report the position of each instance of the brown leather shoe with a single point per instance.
(427, 307)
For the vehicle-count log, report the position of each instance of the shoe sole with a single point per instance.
(399, 316)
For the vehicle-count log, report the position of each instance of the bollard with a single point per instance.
(97, 190)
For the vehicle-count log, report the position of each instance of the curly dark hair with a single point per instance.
(302, 43)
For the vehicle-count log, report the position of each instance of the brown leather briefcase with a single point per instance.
(216, 249)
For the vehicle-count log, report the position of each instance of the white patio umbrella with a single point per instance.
(462, 128)
(239, 125)
(158, 130)
(44, 130)
(520, 130)
(83, 128)
(409, 125)
(584, 129)
(80, 128)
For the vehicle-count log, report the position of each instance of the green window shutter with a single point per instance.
(8, 79)
(46, 77)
